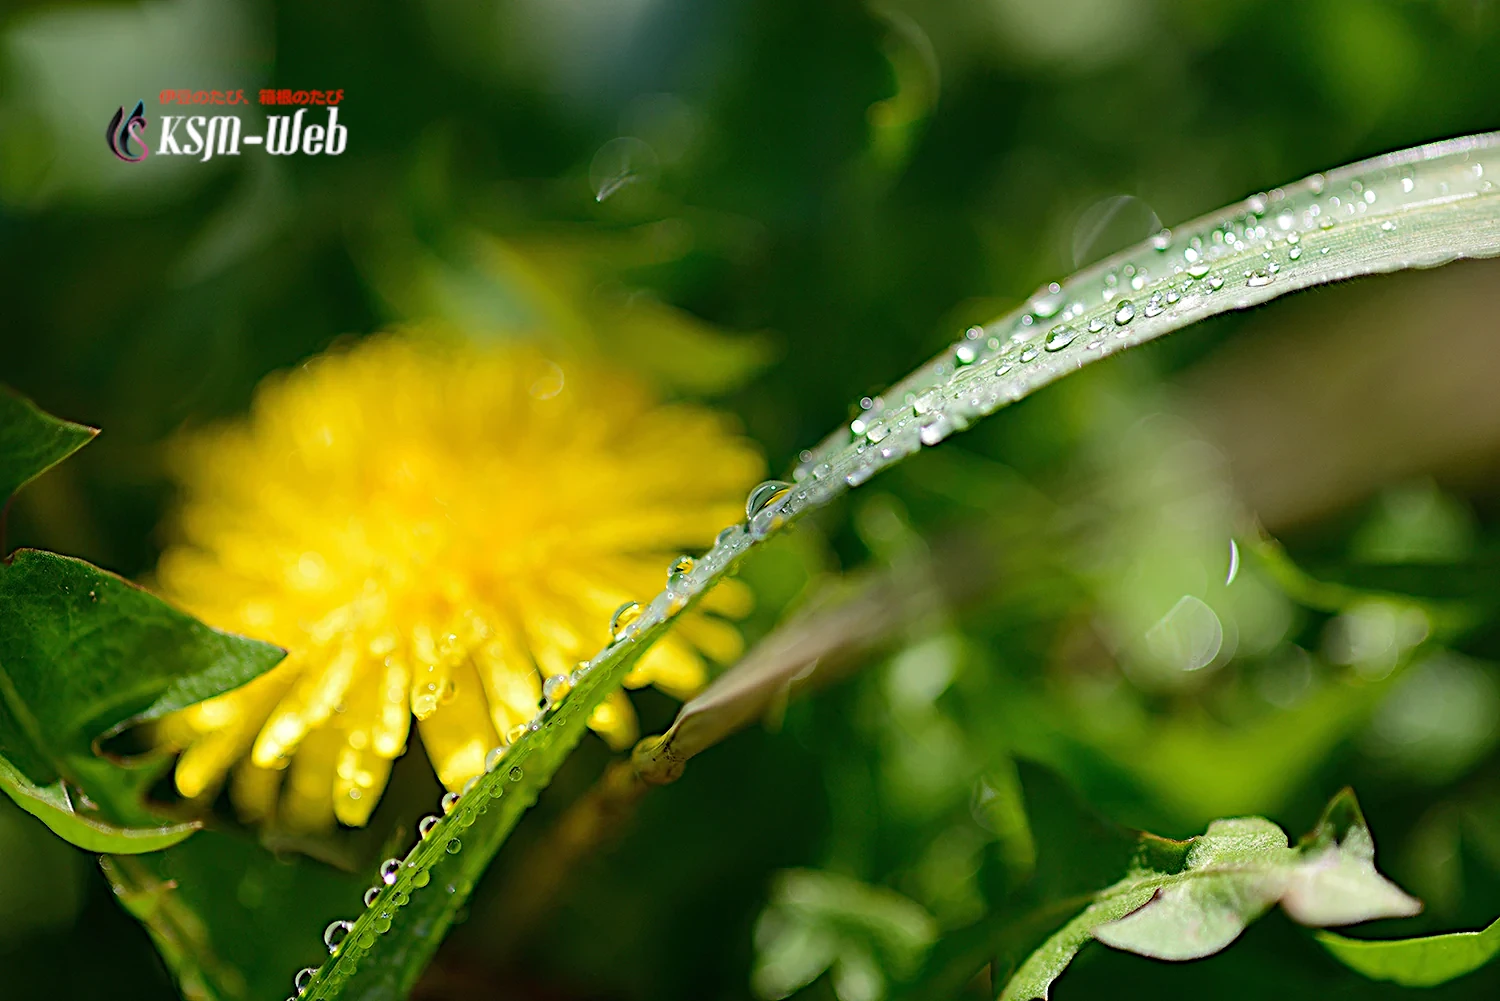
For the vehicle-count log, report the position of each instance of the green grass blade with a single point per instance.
(1417, 208)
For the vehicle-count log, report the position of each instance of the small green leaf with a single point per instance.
(32, 442)
(83, 654)
(819, 921)
(1417, 962)
(1187, 900)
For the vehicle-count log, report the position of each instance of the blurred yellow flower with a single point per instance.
(431, 530)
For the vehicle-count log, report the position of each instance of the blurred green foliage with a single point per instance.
(815, 197)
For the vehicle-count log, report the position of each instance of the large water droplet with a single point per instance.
(1060, 337)
(426, 824)
(334, 934)
(1125, 313)
(623, 617)
(370, 895)
(449, 801)
(765, 494)
(493, 758)
(453, 846)
(677, 573)
(1258, 278)
(555, 687)
(388, 870)
(303, 978)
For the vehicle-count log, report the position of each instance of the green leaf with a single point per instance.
(1187, 900)
(217, 909)
(818, 921)
(1421, 207)
(1417, 962)
(32, 442)
(83, 654)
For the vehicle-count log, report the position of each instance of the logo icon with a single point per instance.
(122, 130)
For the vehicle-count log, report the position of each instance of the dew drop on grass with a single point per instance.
(515, 773)
(492, 759)
(1258, 278)
(1125, 313)
(370, 896)
(388, 870)
(453, 846)
(763, 495)
(1096, 325)
(334, 934)
(1060, 337)
(303, 978)
(426, 824)
(449, 801)
(555, 688)
(623, 617)
(677, 573)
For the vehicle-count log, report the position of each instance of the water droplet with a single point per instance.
(934, 429)
(1234, 563)
(965, 354)
(383, 923)
(492, 760)
(1408, 185)
(1198, 270)
(1216, 283)
(515, 773)
(1060, 337)
(1173, 297)
(1294, 253)
(1162, 240)
(764, 495)
(1153, 306)
(623, 617)
(449, 801)
(388, 870)
(469, 785)
(555, 687)
(1029, 354)
(1258, 278)
(426, 824)
(1388, 226)
(1138, 282)
(1315, 183)
(421, 878)
(1256, 204)
(1096, 325)
(620, 162)
(334, 934)
(303, 978)
(515, 733)
(370, 895)
(453, 846)
(926, 402)
(1125, 313)
(857, 426)
(677, 573)
(879, 430)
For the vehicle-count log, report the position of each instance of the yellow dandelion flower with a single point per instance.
(431, 530)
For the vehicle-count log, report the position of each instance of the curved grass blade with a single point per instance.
(1417, 962)
(1417, 208)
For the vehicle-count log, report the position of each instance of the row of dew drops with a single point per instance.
(1270, 231)
(1117, 303)
(766, 508)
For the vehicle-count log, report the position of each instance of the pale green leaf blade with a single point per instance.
(1417, 962)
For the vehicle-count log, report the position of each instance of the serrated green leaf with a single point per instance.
(84, 653)
(1421, 208)
(1417, 962)
(32, 442)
